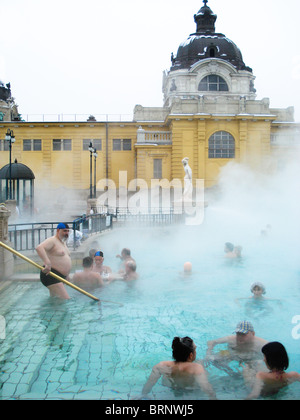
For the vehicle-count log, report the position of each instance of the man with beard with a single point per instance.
(56, 257)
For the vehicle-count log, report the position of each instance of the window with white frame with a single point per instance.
(62, 145)
(97, 144)
(4, 145)
(157, 168)
(30, 145)
(121, 145)
(213, 83)
(221, 145)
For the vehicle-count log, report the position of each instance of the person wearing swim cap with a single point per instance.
(104, 270)
(187, 267)
(55, 255)
(258, 290)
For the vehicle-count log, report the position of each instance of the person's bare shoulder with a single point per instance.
(261, 341)
(293, 376)
(262, 375)
(197, 369)
(47, 243)
(77, 276)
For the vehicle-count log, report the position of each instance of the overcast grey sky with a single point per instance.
(104, 57)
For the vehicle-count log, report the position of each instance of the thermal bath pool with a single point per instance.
(80, 349)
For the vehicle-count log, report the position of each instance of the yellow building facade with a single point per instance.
(210, 114)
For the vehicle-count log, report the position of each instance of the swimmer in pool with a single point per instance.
(238, 251)
(128, 275)
(182, 372)
(277, 361)
(258, 290)
(87, 277)
(130, 271)
(243, 347)
(92, 253)
(56, 258)
(104, 270)
(257, 305)
(124, 257)
(187, 270)
(229, 250)
(187, 267)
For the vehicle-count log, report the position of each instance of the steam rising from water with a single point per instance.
(246, 202)
(249, 201)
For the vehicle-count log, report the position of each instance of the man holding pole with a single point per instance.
(56, 257)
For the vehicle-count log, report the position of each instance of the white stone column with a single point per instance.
(6, 257)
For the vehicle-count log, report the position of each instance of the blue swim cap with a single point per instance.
(98, 254)
(62, 226)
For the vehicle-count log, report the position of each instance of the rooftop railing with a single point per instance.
(77, 118)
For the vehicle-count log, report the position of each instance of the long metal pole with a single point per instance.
(91, 179)
(10, 195)
(8, 248)
(95, 177)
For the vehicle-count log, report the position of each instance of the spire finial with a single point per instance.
(205, 19)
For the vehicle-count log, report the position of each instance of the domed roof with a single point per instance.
(5, 92)
(206, 43)
(18, 171)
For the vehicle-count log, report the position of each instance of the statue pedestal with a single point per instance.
(6, 258)
(91, 205)
(11, 206)
(193, 210)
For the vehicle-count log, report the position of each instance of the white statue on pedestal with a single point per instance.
(188, 180)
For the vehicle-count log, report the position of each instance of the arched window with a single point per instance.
(221, 145)
(212, 52)
(213, 83)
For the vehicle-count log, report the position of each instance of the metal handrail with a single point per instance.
(26, 236)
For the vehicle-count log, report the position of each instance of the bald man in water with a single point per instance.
(56, 258)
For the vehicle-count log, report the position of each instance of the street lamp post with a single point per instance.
(95, 154)
(11, 139)
(91, 150)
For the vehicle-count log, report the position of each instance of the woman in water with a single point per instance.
(277, 361)
(182, 372)
(257, 304)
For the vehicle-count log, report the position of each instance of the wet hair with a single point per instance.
(132, 265)
(182, 348)
(229, 246)
(276, 355)
(87, 262)
(126, 251)
(92, 252)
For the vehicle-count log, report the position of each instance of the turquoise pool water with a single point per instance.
(80, 349)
